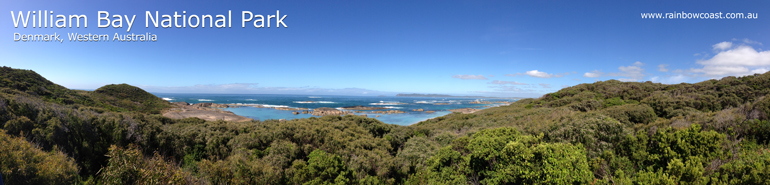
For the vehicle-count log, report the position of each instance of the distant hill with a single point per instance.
(19, 81)
(119, 98)
(130, 97)
(449, 96)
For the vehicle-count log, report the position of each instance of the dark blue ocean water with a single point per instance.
(312, 102)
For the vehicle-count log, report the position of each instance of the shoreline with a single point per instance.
(409, 114)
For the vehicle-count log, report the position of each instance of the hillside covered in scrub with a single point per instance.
(610, 132)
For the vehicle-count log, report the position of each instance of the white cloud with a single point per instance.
(470, 77)
(593, 74)
(508, 88)
(741, 55)
(748, 41)
(722, 45)
(545, 85)
(539, 74)
(738, 61)
(500, 82)
(662, 68)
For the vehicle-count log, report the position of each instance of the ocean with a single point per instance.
(407, 104)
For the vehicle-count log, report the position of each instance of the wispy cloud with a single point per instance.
(632, 73)
(722, 45)
(673, 79)
(547, 86)
(662, 67)
(500, 82)
(470, 77)
(593, 74)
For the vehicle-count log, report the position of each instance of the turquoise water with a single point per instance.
(406, 104)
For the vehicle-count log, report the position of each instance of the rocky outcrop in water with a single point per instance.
(326, 111)
(360, 107)
(388, 112)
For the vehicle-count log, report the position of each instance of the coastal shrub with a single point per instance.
(761, 109)
(526, 162)
(504, 156)
(131, 98)
(239, 168)
(23, 163)
(597, 133)
(657, 150)
(631, 114)
(415, 153)
(751, 167)
(129, 166)
(322, 168)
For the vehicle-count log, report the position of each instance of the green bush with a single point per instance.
(632, 114)
(23, 163)
(129, 166)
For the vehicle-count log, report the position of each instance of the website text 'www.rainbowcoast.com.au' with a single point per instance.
(47, 19)
(699, 15)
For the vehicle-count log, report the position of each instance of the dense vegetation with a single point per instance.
(611, 132)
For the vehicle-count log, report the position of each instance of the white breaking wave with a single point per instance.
(388, 103)
(204, 100)
(167, 99)
(391, 107)
(251, 99)
(266, 105)
(314, 102)
(313, 97)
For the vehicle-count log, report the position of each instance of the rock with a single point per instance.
(219, 105)
(304, 112)
(465, 110)
(295, 112)
(388, 112)
(377, 116)
(202, 105)
(325, 111)
(289, 108)
(360, 107)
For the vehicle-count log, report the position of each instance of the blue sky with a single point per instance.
(489, 48)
